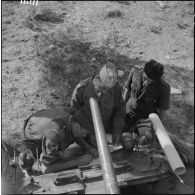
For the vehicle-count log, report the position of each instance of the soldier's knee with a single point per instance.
(148, 135)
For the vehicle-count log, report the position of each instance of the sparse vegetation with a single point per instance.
(156, 29)
(30, 22)
(8, 12)
(66, 54)
(114, 14)
(125, 2)
(69, 41)
(35, 19)
(47, 15)
(65, 50)
(47, 49)
(182, 26)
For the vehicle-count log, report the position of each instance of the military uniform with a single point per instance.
(111, 105)
(145, 97)
(51, 131)
(43, 121)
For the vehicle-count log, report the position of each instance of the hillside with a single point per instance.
(47, 49)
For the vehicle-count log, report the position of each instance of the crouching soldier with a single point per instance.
(51, 135)
(105, 88)
(146, 92)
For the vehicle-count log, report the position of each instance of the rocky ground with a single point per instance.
(47, 49)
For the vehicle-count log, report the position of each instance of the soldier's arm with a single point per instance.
(77, 97)
(27, 154)
(118, 115)
(67, 164)
(127, 86)
(82, 142)
(162, 114)
(164, 103)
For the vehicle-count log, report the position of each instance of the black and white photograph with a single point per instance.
(97, 97)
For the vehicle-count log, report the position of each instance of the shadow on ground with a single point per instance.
(71, 60)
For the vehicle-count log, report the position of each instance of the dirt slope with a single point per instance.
(141, 31)
(41, 69)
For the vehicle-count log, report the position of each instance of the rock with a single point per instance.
(32, 109)
(157, 29)
(176, 91)
(167, 57)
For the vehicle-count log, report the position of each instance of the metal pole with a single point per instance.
(104, 153)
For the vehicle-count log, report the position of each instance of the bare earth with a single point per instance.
(33, 80)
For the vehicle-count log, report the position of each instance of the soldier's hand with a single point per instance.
(13, 164)
(116, 139)
(92, 140)
(25, 161)
(93, 152)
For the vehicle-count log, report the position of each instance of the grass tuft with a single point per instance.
(156, 29)
(47, 15)
(114, 14)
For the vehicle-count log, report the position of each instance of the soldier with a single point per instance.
(146, 92)
(105, 88)
(51, 132)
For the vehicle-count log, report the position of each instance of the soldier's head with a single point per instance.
(108, 76)
(153, 70)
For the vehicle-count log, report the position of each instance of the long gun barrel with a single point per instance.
(173, 157)
(104, 153)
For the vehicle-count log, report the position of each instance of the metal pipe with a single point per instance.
(104, 153)
(173, 157)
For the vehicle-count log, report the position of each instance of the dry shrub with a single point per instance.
(114, 14)
(47, 15)
(182, 25)
(7, 11)
(69, 58)
(125, 2)
(35, 18)
(30, 22)
(64, 51)
(156, 29)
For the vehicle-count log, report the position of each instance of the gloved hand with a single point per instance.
(25, 160)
